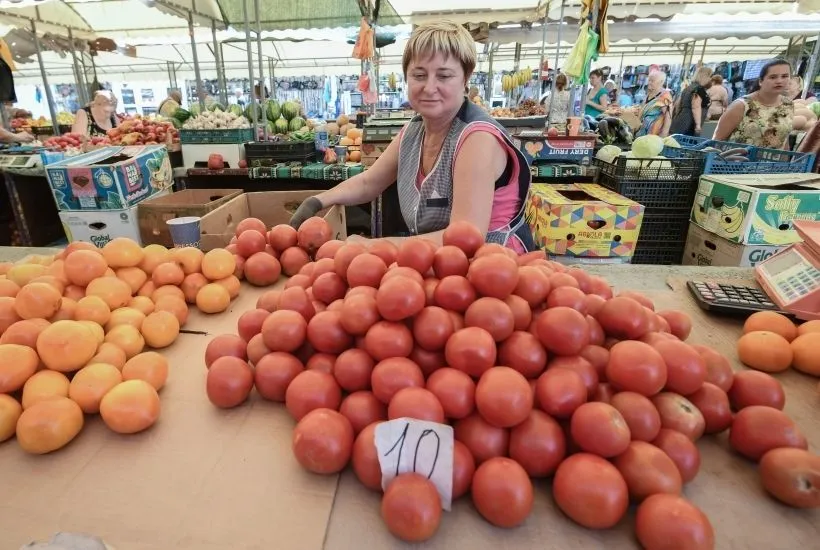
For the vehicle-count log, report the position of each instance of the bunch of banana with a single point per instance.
(391, 81)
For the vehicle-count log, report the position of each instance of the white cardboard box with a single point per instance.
(705, 248)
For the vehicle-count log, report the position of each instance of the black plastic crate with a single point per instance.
(664, 225)
(270, 153)
(687, 167)
(658, 253)
(679, 194)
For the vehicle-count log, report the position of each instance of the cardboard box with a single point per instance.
(705, 248)
(218, 227)
(192, 153)
(756, 208)
(577, 149)
(372, 151)
(100, 226)
(583, 219)
(111, 178)
(154, 212)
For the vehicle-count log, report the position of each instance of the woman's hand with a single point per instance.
(23, 137)
(309, 208)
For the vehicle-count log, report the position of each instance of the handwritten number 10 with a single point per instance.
(400, 444)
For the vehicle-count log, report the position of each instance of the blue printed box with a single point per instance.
(112, 178)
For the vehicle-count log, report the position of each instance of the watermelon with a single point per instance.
(249, 112)
(235, 109)
(290, 109)
(272, 110)
(281, 126)
(216, 107)
(181, 115)
(296, 123)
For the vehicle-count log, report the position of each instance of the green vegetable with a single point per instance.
(647, 146)
(181, 115)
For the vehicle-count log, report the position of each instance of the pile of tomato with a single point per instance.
(540, 370)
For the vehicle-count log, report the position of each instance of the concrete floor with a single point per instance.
(14, 253)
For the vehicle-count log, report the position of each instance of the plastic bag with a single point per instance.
(364, 42)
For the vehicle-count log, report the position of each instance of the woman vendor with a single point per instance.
(97, 117)
(452, 162)
(656, 111)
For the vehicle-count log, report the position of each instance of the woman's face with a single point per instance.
(776, 80)
(436, 86)
(594, 80)
(654, 83)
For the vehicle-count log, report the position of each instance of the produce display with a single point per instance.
(79, 330)
(540, 370)
(527, 107)
(806, 112)
(510, 82)
(215, 120)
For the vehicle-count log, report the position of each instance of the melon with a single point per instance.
(281, 126)
(249, 112)
(216, 107)
(290, 109)
(296, 123)
(272, 110)
(342, 120)
(235, 109)
(332, 129)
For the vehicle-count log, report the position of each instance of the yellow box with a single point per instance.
(583, 220)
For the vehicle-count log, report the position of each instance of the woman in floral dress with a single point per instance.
(656, 111)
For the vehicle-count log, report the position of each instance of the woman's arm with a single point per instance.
(365, 187)
(601, 104)
(730, 120)
(697, 111)
(80, 123)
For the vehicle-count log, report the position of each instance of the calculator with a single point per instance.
(730, 299)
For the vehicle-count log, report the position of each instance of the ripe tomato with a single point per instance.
(580, 366)
(562, 330)
(624, 318)
(567, 296)
(484, 440)
(321, 361)
(411, 506)
(680, 324)
(600, 429)
(560, 392)
(464, 235)
(635, 366)
(417, 254)
(365, 270)
(229, 381)
(648, 470)
(295, 299)
(273, 374)
(463, 469)
(792, 476)
(718, 370)
(432, 327)
(418, 403)
(598, 357)
(681, 450)
(757, 430)
(359, 313)
(365, 458)
(471, 350)
(591, 491)
(639, 413)
(310, 390)
(679, 414)
(399, 298)
(455, 391)
(385, 250)
(387, 339)
(603, 394)
(533, 286)
(454, 293)
(352, 370)
(362, 408)
(538, 444)
(450, 260)
(685, 368)
(502, 492)
(344, 255)
(408, 272)
(493, 315)
(596, 331)
(756, 388)
(391, 375)
(523, 352)
(671, 521)
(503, 397)
(494, 275)
(325, 332)
(284, 330)
(328, 287)
(713, 404)
(428, 361)
(522, 314)
(323, 441)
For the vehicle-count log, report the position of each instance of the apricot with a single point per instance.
(66, 311)
(78, 245)
(771, 321)
(10, 411)
(147, 289)
(133, 276)
(91, 383)
(218, 264)
(22, 274)
(83, 266)
(189, 259)
(175, 305)
(66, 346)
(126, 338)
(45, 384)
(49, 425)
(96, 330)
(130, 407)
(37, 301)
(8, 315)
(115, 292)
(24, 332)
(17, 364)
(57, 270)
(160, 329)
(125, 316)
(111, 354)
(58, 285)
(168, 290)
(4, 267)
(74, 292)
(149, 366)
(191, 285)
(153, 255)
(92, 308)
(122, 252)
(231, 284)
(169, 273)
(213, 298)
(8, 288)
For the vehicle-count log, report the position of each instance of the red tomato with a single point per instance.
(591, 491)
(563, 279)
(428, 361)
(284, 330)
(671, 521)
(635, 366)
(624, 318)
(366, 270)
(326, 333)
(792, 476)
(321, 361)
(679, 414)
(407, 272)
(385, 250)
(685, 368)
(257, 349)
(567, 296)
(493, 315)
(639, 413)
(463, 235)
(713, 404)
(560, 392)
(417, 254)
(494, 275)
(522, 314)
(523, 352)
(450, 260)
(503, 397)
(391, 375)
(502, 492)
(600, 429)
(430, 284)
(250, 323)
(463, 469)
(483, 440)
(323, 441)
(365, 458)
(718, 370)
(455, 391)
(294, 299)
(681, 450)
(359, 313)
(432, 327)
(603, 394)
(362, 408)
(580, 366)
(680, 324)
(583, 278)
(399, 298)
(229, 382)
(471, 350)
(274, 372)
(344, 255)
(596, 331)
(411, 506)
(225, 344)
(538, 444)
(352, 370)
(594, 304)
(562, 330)
(415, 403)
(454, 293)
(756, 388)
(311, 390)
(386, 339)
(647, 471)
(757, 430)
(638, 297)
(533, 286)
(598, 357)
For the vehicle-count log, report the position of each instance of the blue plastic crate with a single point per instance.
(761, 160)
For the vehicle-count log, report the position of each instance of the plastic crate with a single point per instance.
(663, 225)
(658, 253)
(220, 136)
(264, 153)
(687, 167)
(761, 160)
(679, 195)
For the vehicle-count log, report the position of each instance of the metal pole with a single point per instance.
(261, 66)
(224, 76)
(702, 52)
(199, 92)
(271, 69)
(220, 71)
(808, 80)
(488, 93)
(542, 57)
(49, 96)
(250, 68)
(78, 84)
(558, 45)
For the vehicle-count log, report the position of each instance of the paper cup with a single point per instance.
(184, 231)
(574, 125)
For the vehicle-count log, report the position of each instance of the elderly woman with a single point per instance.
(718, 98)
(656, 111)
(452, 162)
(98, 116)
(694, 103)
(764, 117)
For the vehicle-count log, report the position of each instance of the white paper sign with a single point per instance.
(407, 445)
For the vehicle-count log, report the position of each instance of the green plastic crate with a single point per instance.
(220, 136)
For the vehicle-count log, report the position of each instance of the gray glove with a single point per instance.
(309, 208)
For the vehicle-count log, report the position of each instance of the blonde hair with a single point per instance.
(104, 97)
(703, 76)
(441, 37)
(657, 76)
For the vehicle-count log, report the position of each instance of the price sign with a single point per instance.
(406, 445)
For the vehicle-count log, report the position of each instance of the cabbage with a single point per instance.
(647, 146)
(669, 141)
(815, 108)
(608, 153)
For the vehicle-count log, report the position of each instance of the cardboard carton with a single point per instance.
(154, 212)
(705, 248)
